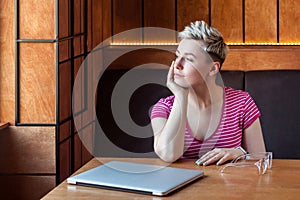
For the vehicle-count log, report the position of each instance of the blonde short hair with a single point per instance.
(212, 38)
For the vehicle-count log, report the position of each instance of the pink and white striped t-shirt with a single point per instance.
(239, 112)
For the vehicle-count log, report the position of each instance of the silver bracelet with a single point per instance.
(241, 149)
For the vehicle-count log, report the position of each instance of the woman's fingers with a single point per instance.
(218, 156)
(225, 158)
(207, 158)
(171, 72)
(212, 158)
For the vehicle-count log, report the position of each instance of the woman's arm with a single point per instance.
(169, 133)
(253, 140)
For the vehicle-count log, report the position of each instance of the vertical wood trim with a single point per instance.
(89, 25)
(227, 17)
(289, 16)
(190, 11)
(243, 15)
(209, 12)
(260, 21)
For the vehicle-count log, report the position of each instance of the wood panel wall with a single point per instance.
(289, 13)
(7, 57)
(240, 21)
(42, 147)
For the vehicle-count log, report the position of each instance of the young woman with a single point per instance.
(203, 119)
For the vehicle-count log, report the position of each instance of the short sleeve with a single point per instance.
(251, 112)
(162, 108)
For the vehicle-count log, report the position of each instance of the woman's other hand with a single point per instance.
(219, 156)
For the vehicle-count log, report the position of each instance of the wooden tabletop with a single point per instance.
(280, 182)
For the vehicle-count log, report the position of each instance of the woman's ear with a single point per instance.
(215, 69)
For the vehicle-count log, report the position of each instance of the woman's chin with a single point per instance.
(182, 83)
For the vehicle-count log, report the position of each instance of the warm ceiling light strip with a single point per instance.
(142, 44)
(264, 44)
(229, 43)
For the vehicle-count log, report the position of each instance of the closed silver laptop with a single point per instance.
(136, 177)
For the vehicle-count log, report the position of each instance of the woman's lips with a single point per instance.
(178, 75)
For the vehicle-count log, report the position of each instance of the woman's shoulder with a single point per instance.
(235, 92)
(163, 107)
(167, 100)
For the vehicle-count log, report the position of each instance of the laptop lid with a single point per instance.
(136, 177)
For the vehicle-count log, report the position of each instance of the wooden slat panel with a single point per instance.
(64, 50)
(77, 152)
(191, 10)
(65, 159)
(227, 17)
(89, 25)
(78, 16)
(82, 142)
(127, 15)
(97, 22)
(7, 62)
(161, 14)
(289, 16)
(87, 139)
(260, 21)
(64, 91)
(63, 21)
(37, 19)
(78, 46)
(107, 20)
(262, 59)
(64, 131)
(37, 83)
(27, 150)
(78, 96)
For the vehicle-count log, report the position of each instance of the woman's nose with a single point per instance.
(178, 64)
(179, 67)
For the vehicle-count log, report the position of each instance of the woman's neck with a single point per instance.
(203, 96)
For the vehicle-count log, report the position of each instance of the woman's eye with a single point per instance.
(190, 59)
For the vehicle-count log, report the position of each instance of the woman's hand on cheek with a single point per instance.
(174, 87)
(219, 156)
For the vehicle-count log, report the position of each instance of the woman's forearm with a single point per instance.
(169, 144)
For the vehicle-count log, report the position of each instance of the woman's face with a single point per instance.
(192, 63)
